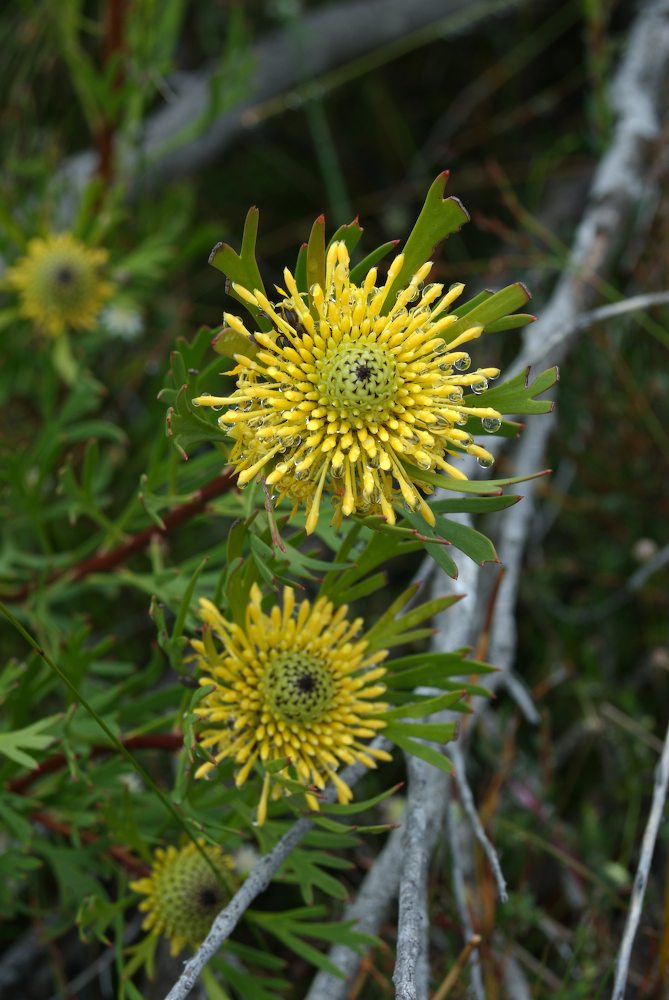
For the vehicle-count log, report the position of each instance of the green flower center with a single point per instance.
(64, 282)
(188, 895)
(359, 378)
(298, 687)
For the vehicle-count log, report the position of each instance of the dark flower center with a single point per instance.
(208, 897)
(298, 687)
(65, 276)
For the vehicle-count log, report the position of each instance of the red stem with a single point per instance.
(103, 561)
(154, 741)
(118, 853)
(113, 29)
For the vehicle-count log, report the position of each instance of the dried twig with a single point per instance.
(369, 909)
(467, 800)
(412, 941)
(458, 862)
(642, 872)
(321, 41)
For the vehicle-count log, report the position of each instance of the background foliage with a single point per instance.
(519, 117)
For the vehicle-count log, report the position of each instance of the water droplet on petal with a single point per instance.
(491, 424)
(485, 463)
(462, 363)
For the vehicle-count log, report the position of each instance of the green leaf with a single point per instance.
(489, 309)
(474, 505)
(425, 752)
(359, 272)
(518, 394)
(427, 705)
(360, 805)
(439, 217)
(243, 268)
(466, 307)
(470, 541)
(15, 744)
(436, 732)
(301, 269)
(316, 254)
(473, 543)
(230, 342)
(350, 234)
(390, 631)
(485, 486)
(512, 322)
(185, 428)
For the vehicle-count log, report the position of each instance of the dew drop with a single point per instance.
(491, 424)
(462, 363)
(441, 347)
(485, 463)
(455, 395)
(195, 402)
(479, 387)
(217, 408)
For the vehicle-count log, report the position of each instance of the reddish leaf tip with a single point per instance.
(214, 251)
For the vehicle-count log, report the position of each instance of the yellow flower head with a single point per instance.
(343, 395)
(59, 283)
(184, 894)
(294, 684)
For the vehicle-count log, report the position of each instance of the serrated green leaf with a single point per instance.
(438, 218)
(242, 268)
(15, 744)
(518, 394)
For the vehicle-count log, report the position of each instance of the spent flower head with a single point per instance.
(184, 891)
(60, 284)
(352, 398)
(296, 684)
